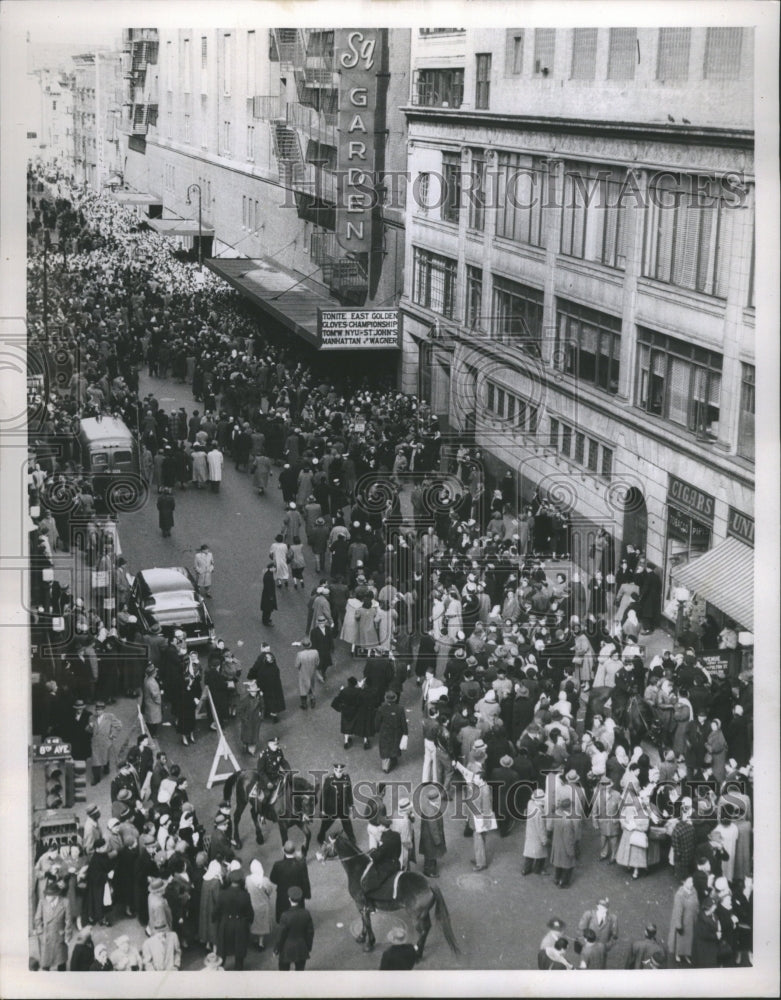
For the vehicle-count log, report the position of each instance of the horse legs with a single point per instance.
(423, 926)
(370, 938)
(362, 910)
(239, 812)
(256, 818)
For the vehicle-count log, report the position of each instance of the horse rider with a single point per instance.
(385, 859)
(623, 689)
(273, 770)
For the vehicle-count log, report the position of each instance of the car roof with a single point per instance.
(166, 578)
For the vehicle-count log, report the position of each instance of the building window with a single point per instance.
(521, 195)
(439, 88)
(679, 382)
(250, 142)
(688, 234)
(544, 50)
(440, 31)
(592, 462)
(588, 345)
(474, 298)
(513, 53)
(169, 125)
(747, 404)
(421, 192)
(250, 216)
(673, 59)
(750, 299)
(257, 215)
(204, 125)
(187, 123)
(243, 211)
(553, 439)
(477, 192)
(483, 81)
(622, 54)
(607, 463)
(227, 64)
(517, 314)
(226, 138)
(566, 440)
(722, 53)
(451, 179)
(187, 64)
(584, 53)
(593, 225)
(251, 63)
(434, 282)
(511, 408)
(204, 51)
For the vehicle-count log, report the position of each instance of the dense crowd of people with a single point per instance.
(547, 712)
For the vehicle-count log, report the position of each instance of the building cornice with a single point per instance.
(734, 138)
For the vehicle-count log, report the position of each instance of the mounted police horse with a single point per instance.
(291, 803)
(634, 717)
(414, 894)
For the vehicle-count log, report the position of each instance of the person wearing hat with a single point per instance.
(77, 730)
(233, 916)
(106, 727)
(268, 597)
(403, 824)
(278, 554)
(204, 570)
(356, 706)
(213, 963)
(431, 842)
(152, 700)
(101, 962)
(683, 841)
(166, 504)
(288, 872)
(322, 639)
(157, 905)
(385, 858)
(214, 460)
(336, 802)
(93, 906)
(536, 835)
(565, 841)
(640, 952)
(125, 957)
(53, 923)
(400, 955)
(296, 933)
(504, 781)
(250, 716)
(605, 818)
(602, 922)
(553, 957)
(390, 723)
(307, 662)
(92, 829)
(161, 952)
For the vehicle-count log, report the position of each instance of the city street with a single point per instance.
(239, 527)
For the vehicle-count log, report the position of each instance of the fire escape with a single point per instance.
(304, 138)
(140, 47)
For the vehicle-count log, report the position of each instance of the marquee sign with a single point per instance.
(348, 329)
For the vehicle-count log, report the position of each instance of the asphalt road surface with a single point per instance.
(497, 915)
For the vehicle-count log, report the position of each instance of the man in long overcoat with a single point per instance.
(233, 915)
(287, 872)
(537, 837)
(307, 662)
(106, 727)
(565, 842)
(390, 722)
(53, 925)
(268, 597)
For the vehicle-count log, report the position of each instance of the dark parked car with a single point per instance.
(170, 597)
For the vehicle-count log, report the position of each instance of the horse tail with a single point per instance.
(443, 916)
(228, 789)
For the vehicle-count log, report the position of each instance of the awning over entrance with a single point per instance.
(276, 291)
(136, 198)
(724, 577)
(179, 227)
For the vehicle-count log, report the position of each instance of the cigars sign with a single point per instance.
(357, 58)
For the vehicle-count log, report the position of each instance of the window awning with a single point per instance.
(136, 198)
(725, 578)
(281, 293)
(179, 227)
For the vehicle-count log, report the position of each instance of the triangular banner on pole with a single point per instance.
(223, 750)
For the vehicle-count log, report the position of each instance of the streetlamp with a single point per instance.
(200, 222)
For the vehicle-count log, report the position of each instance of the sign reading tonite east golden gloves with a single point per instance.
(356, 62)
(348, 329)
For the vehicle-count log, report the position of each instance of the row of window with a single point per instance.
(689, 221)
(722, 58)
(444, 87)
(250, 214)
(226, 64)
(520, 414)
(676, 381)
(580, 448)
